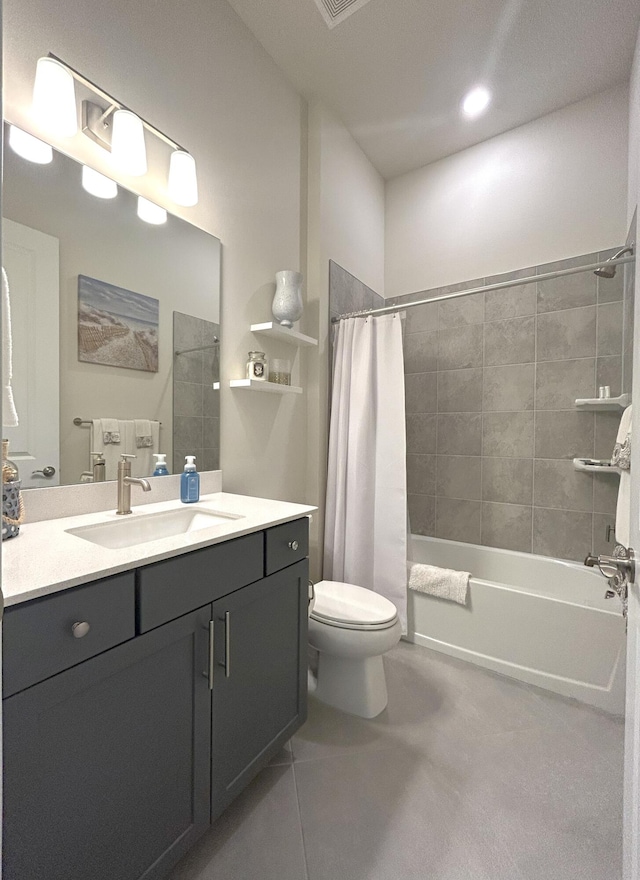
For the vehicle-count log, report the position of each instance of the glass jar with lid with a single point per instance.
(257, 366)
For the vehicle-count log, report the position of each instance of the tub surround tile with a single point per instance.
(599, 542)
(507, 526)
(459, 312)
(507, 435)
(421, 433)
(559, 383)
(421, 474)
(508, 388)
(460, 391)
(459, 434)
(609, 336)
(564, 434)
(609, 372)
(605, 493)
(512, 302)
(459, 476)
(559, 485)
(567, 334)
(509, 342)
(422, 319)
(421, 352)
(458, 520)
(606, 427)
(569, 291)
(422, 514)
(421, 392)
(460, 347)
(564, 534)
(610, 289)
(507, 480)
(187, 399)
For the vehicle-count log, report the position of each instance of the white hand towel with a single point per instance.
(143, 464)
(441, 582)
(9, 412)
(622, 459)
(101, 430)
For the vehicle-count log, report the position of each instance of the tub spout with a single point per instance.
(591, 561)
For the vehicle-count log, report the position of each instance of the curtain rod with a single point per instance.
(546, 276)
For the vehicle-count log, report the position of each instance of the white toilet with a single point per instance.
(351, 628)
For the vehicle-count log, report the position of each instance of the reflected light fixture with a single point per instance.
(127, 143)
(150, 212)
(97, 184)
(29, 147)
(183, 182)
(476, 102)
(54, 98)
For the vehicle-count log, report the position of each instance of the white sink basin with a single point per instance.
(139, 528)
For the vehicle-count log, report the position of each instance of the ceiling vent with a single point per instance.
(335, 11)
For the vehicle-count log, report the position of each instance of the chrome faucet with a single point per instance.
(125, 481)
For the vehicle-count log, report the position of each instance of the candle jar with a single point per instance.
(257, 366)
(280, 371)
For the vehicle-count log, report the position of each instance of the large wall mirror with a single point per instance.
(113, 319)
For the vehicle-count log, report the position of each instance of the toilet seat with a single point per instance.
(347, 606)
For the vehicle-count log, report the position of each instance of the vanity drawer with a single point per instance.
(169, 589)
(38, 640)
(286, 544)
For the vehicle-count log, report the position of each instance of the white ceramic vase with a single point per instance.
(287, 302)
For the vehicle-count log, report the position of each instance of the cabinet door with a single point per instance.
(260, 680)
(107, 765)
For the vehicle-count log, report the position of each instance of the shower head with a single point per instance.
(607, 271)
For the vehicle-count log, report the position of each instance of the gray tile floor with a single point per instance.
(465, 776)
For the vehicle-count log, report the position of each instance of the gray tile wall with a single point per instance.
(196, 404)
(348, 294)
(491, 381)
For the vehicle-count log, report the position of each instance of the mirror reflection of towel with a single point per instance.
(127, 431)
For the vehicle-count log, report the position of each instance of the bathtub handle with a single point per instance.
(623, 562)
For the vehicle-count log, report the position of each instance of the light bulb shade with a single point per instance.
(97, 184)
(151, 213)
(29, 147)
(127, 143)
(54, 98)
(183, 182)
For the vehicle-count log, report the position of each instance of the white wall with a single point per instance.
(550, 189)
(196, 72)
(345, 223)
(634, 135)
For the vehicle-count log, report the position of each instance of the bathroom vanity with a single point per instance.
(139, 704)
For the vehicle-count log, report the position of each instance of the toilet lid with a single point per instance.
(347, 604)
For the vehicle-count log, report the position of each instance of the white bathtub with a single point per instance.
(540, 620)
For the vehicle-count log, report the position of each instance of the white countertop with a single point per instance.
(44, 558)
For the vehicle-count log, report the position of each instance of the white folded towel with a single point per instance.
(441, 582)
(9, 413)
(102, 433)
(622, 459)
(142, 439)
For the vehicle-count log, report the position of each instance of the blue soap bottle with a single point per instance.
(161, 464)
(190, 481)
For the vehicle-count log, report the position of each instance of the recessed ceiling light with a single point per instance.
(476, 102)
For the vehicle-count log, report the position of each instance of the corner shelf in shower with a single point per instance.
(277, 331)
(599, 467)
(603, 404)
(265, 387)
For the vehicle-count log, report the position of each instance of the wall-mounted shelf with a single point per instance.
(277, 331)
(594, 466)
(603, 404)
(265, 387)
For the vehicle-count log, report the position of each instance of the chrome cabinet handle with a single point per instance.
(227, 644)
(80, 628)
(48, 471)
(293, 545)
(212, 627)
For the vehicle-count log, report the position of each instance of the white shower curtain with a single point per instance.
(365, 539)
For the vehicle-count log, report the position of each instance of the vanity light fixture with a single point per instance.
(150, 212)
(476, 102)
(97, 184)
(29, 147)
(183, 183)
(110, 124)
(54, 97)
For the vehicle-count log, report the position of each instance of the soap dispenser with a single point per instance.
(190, 481)
(161, 464)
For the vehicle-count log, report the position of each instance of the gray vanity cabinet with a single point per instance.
(259, 684)
(106, 765)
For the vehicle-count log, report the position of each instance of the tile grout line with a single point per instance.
(302, 840)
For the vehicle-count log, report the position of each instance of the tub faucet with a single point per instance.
(125, 481)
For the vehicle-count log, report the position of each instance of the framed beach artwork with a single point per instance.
(117, 327)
